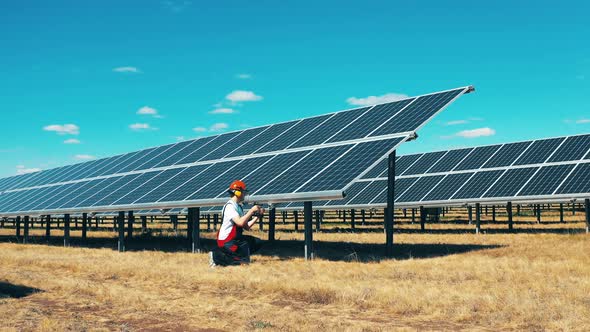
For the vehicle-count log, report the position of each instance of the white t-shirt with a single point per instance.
(230, 211)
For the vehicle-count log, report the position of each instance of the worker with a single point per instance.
(234, 248)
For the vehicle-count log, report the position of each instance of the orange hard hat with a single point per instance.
(237, 185)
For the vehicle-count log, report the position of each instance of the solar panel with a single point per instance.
(303, 159)
(557, 178)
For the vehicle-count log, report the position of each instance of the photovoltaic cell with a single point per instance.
(264, 137)
(402, 163)
(190, 152)
(449, 160)
(329, 128)
(424, 163)
(546, 181)
(227, 148)
(574, 148)
(507, 155)
(420, 188)
(182, 185)
(293, 134)
(380, 168)
(577, 182)
(272, 169)
(357, 188)
(418, 112)
(539, 151)
(479, 183)
(447, 187)
(150, 185)
(133, 182)
(178, 148)
(477, 157)
(304, 170)
(361, 156)
(198, 154)
(511, 182)
(370, 120)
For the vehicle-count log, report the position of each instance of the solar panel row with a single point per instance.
(386, 119)
(548, 167)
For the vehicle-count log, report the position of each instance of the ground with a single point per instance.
(447, 278)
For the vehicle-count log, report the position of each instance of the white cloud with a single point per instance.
(21, 169)
(179, 138)
(223, 111)
(84, 157)
(241, 95)
(128, 69)
(146, 110)
(200, 129)
(479, 132)
(72, 141)
(141, 127)
(456, 122)
(66, 129)
(581, 121)
(218, 126)
(243, 76)
(372, 100)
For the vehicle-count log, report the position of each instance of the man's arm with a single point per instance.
(244, 221)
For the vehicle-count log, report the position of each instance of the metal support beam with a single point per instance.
(363, 217)
(66, 230)
(470, 214)
(284, 213)
(561, 213)
(143, 224)
(344, 216)
(27, 222)
(272, 214)
(174, 221)
(48, 227)
(120, 220)
(477, 218)
(494, 213)
(390, 205)
(413, 215)
(215, 221)
(130, 221)
(84, 225)
(307, 219)
(422, 217)
(587, 210)
(208, 222)
(573, 209)
(352, 218)
(194, 217)
(509, 211)
(17, 222)
(318, 221)
(538, 213)
(261, 224)
(296, 217)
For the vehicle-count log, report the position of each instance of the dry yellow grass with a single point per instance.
(445, 279)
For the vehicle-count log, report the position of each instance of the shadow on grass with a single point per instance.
(283, 249)
(15, 291)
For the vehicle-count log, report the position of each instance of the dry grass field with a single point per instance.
(447, 278)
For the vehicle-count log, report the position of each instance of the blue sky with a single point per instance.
(81, 71)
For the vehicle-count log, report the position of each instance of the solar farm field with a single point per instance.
(444, 278)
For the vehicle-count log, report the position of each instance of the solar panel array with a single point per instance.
(297, 160)
(554, 169)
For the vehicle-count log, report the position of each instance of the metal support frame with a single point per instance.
(470, 214)
(413, 215)
(215, 221)
(307, 219)
(84, 225)
(587, 210)
(296, 218)
(17, 222)
(194, 217)
(538, 213)
(477, 218)
(344, 216)
(208, 222)
(390, 205)
(120, 220)
(130, 221)
(352, 218)
(363, 217)
(284, 213)
(422, 217)
(561, 213)
(509, 211)
(494, 213)
(66, 230)
(48, 227)
(27, 221)
(143, 224)
(318, 221)
(174, 221)
(272, 214)
(261, 223)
